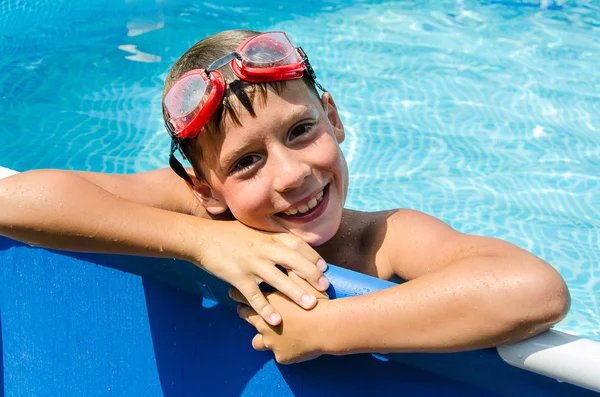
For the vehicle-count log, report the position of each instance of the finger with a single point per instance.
(295, 243)
(306, 286)
(256, 299)
(258, 342)
(302, 259)
(237, 296)
(247, 313)
(280, 281)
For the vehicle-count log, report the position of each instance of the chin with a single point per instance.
(315, 241)
(315, 238)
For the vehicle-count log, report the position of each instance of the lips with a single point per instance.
(310, 210)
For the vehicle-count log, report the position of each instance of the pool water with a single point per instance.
(485, 114)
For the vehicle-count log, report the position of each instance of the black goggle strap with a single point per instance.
(176, 166)
(309, 69)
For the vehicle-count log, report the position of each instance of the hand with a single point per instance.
(244, 257)
(297, 339)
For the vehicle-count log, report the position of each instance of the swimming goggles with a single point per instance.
(192, 100)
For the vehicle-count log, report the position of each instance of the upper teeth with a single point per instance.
(305, 207)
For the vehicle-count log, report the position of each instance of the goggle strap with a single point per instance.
(178, 168)
(309, 69)
(219, 63)
(318, 84)
(176, 146)
(172, 133)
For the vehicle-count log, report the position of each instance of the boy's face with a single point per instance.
(281, 171)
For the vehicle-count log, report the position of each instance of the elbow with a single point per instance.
(559, 301)
(546, 300)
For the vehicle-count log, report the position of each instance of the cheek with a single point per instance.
(327, 154)
(330, 156)
(246, 199)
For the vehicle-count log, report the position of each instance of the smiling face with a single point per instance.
(281, 171)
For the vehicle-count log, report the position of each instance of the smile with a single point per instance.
(304, 208)
(312, 209)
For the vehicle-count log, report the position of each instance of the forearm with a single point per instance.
(67, 212)
(158, 188)
(464, 306)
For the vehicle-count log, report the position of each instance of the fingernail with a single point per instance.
(275, 318)
(323, 282)
(322, 265)
(308, 300)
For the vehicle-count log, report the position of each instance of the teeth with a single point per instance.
(306, 207)
(303, 208)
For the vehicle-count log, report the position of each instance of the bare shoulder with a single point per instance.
(404, 243)
(415, 243)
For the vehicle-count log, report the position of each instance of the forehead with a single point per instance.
(273, 111)
(276, 105)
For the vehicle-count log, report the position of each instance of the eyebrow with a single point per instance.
(299, 112)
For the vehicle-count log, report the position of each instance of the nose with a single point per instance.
(290, 170)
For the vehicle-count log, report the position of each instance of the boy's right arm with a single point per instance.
(85, 211)
(160, 188)
(133, 214)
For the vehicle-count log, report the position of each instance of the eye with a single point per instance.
(245, 163)
(300, 130)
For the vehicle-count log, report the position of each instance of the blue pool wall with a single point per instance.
(90, 324)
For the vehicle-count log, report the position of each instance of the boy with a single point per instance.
(264, 146)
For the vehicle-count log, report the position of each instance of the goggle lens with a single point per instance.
(185, 99)
(268, 50)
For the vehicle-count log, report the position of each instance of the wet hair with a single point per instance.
(200, 56)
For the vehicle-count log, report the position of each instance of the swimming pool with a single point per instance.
(483, 113)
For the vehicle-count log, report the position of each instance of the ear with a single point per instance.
(333, 116)
(210, 200)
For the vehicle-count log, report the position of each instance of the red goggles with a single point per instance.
(263, 58)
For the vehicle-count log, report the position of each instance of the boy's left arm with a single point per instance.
(464, 292)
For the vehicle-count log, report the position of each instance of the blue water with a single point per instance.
(485, 114)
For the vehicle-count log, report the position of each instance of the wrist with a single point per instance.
(196, 239)
(329, 325)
